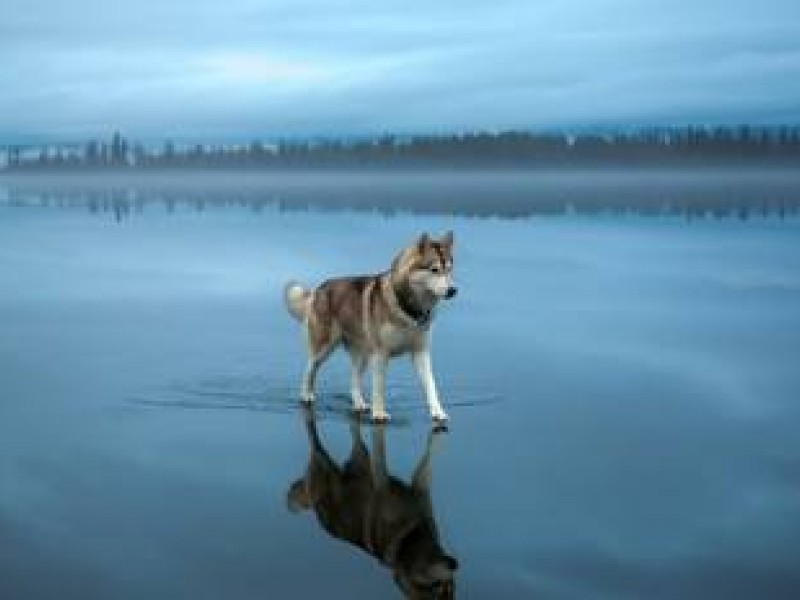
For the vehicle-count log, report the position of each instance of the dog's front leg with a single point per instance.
(359, 455)
(380, 362)
(422, 363)
(421, 480)
(380, 474)
(358, 363)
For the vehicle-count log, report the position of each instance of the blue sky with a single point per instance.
(245, 68)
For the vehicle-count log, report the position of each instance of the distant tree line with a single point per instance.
(520, 149)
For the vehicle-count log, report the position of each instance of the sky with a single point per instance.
(203, 69)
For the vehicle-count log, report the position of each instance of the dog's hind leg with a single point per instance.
(315, 361)
(321, 342)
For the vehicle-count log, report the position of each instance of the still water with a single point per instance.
(623, 392)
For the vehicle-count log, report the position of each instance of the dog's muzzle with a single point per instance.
(451, 291)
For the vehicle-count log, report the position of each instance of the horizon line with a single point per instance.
(42, 139)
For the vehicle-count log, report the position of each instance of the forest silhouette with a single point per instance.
(683, 146)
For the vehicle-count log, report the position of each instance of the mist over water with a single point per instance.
(622, 382)
(505, 193)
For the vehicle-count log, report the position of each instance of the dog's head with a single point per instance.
(427, 266)
(434, 580)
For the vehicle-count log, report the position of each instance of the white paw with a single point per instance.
(439, 416)
(359, 405)
(380, 416)
(307, 397)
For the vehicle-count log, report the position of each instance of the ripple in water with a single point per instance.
(259, 395)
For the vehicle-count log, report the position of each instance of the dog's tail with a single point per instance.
(297, 299)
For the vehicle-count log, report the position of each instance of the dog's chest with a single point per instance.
(395, 339)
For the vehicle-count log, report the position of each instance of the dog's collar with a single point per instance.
(421, 318)
(401, 306)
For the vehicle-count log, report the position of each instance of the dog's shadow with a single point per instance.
(361, 503)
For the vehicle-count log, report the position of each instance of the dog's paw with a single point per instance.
(440, 419)
(380, 417)
(307, 397)
(359, 406)
(360, 410)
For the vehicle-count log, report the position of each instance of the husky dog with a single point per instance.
(360, 503)
(377, 317)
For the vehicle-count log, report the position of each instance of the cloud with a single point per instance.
(255, 68)
(333, 66)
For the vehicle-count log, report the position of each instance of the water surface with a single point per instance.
(623, 393)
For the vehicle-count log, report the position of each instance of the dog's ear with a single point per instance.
(423, 241)
(447, 239)
(452, 563)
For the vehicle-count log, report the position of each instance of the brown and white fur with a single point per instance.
(377, 317)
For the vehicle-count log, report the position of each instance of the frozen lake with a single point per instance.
(623, 392)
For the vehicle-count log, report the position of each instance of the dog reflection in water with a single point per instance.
(361, 503)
